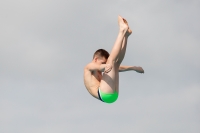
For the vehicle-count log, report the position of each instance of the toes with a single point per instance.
(120, 18)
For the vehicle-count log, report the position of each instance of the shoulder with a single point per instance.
(89, 66)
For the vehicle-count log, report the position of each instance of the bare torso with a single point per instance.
(92, 81)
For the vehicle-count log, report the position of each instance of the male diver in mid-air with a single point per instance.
(106, 87)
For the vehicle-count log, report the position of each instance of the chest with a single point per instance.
(97, 75)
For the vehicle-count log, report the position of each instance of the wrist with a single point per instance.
(102, 67)
(132, 68)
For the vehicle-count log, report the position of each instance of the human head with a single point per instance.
(100, 56)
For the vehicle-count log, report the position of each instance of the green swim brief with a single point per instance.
(107, 97)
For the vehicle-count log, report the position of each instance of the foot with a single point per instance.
(123, 27)
(138, 69)
(129, 31)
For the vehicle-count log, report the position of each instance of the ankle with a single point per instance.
(122, 31)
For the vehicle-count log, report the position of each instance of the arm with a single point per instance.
(95, 67)
(131, 68)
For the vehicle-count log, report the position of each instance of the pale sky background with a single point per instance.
(45, 45)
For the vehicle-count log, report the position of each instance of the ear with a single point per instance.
(95, 59)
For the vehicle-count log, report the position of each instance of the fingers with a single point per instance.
(107, 70)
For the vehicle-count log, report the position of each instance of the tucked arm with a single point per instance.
(94, 67)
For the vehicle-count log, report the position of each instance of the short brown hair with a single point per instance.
(101, 53)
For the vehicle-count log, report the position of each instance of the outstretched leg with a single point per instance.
(124, 44)
(108, 82)
(119, 61)
(118, 43)
(122, 54)
(122, 51)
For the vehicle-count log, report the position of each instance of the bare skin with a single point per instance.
(109, 81)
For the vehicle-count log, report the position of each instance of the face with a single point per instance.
(100, 60)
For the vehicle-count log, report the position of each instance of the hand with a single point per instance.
(139, 69)
(108, 68)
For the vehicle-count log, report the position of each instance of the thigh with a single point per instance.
(117, 77)
(108, 81)
(117, 80)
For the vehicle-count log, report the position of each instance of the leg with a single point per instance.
(117, 46)
(123, 51)
(124, 44)
(108, 82)
(120, 59)
(122, 54)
